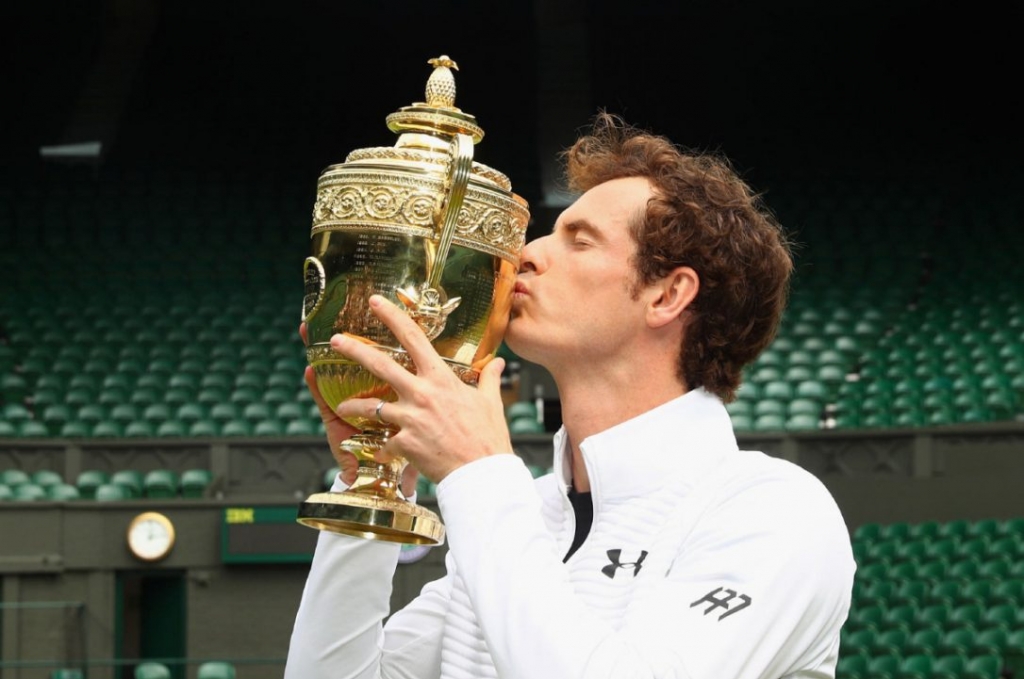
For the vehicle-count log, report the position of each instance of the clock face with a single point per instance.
(150, 536)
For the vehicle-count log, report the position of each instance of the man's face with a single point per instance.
(573, 300)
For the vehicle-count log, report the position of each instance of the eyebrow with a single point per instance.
(581, 225)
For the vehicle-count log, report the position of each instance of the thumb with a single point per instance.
(490, 376)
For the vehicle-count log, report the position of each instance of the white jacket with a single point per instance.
(703, 561)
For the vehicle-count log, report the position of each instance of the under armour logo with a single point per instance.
(722, 602)
(614, 555)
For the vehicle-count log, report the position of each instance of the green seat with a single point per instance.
(14, 477)
(172, 428)
(112, 492)
(890, 641)
(152, 670)
(770, 422)
(900, 617)
(46, 478)
(910, 592)
(75, 430)
(194, 482)
(991, 641)
(966, 568)
(917, 666)
(7, 429)
(67, 673)
(924, 640)
(89, 480)
(32, 429)
(160, 484)
(300, 427)
(856, 640)
(867, 532)
(216, 670)
(5, 492)
(949, 666)
(130, 480)
(957, 641)
(204, 428)
(108, 429)
(983, 667)
(1001, 615)
(139, 429)
(28, 492)
(62, 492)
(269, 427)
(852, 666)
(236, 428)
(866, 617)
(1014, 652)
(932, 614)
(883, 666)
(224, 412)
(525, 425)
(975, 592)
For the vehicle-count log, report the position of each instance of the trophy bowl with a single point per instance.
(438, 234)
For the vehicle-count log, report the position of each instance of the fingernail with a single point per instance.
(338, 340)
(376, 300)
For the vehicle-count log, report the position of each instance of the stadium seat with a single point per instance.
(89, 480)
(983, 667)
(28, 492)
(112, 492)
(892, 640)
(152, 670)
(160, 484)
(130, 480)
(216, 670)
(67, 673)
(948, 666)
(194, 482)
(62, 492)
(924, 640)
(957, 641)
(852, 666)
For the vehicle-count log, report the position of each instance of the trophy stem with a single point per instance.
(373, 507)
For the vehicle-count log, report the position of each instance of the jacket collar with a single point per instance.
(673, 443)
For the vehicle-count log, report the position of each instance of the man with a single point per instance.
(656, 548)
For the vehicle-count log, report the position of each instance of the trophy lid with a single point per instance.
(439, 113)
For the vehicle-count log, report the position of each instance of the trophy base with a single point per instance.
(372, 518)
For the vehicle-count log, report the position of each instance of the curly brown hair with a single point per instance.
(703, 216)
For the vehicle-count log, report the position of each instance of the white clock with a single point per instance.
(150, 536)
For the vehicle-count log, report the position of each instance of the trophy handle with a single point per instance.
(458, 179)
(427, 303)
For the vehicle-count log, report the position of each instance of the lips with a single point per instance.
(520, 289)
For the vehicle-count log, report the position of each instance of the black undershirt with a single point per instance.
(583, 508)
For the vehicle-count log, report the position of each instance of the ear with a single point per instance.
(670, 296)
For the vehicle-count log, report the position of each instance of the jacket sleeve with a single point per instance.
(786, 554)
(338, 631)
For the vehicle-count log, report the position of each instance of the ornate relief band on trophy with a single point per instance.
(423, 224)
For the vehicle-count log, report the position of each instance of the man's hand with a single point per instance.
(338, 430)
(443, 423)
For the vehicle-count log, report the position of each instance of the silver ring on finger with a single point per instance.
(377, 412)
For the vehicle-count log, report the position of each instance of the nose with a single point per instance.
(531, 256)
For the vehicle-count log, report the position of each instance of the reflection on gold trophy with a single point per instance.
(440, 235)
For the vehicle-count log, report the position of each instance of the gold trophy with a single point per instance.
(440, 235)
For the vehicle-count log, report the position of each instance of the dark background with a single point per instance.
(787, 89)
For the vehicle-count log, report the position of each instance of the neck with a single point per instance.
(594, 400)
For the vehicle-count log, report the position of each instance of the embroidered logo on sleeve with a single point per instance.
(615, 556)
(725, 602)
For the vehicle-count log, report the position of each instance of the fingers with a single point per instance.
(490, 377)
(366, 408)
(408, 334)
(304, 333)
(310, 377)
(377, 362)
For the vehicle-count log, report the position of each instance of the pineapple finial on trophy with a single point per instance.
(441, 83)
